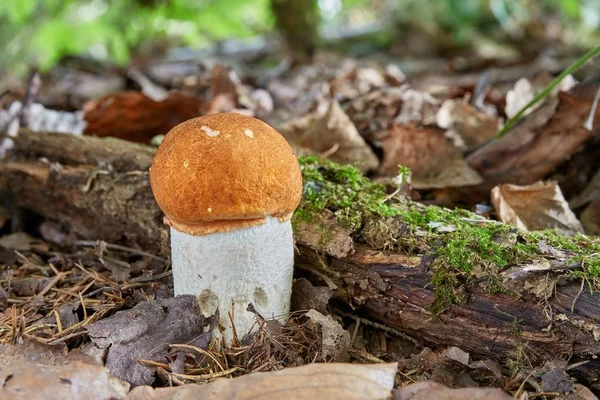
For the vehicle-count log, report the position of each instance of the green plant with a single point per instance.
(41, 32)
(469, 249)
(591, 54)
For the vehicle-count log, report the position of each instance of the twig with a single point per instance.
(199, 350)
(577, 295)
(156, 277)
(331, 151)
(66, 337)
(94, 243)
(213, 375)
(522, 385)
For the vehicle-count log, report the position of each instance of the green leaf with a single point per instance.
(18, 11)
(119, 50)
(571, 8)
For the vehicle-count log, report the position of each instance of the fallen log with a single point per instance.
(99, 188)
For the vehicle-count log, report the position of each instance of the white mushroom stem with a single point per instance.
(232, 269)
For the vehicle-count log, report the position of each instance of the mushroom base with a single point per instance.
(230, 270)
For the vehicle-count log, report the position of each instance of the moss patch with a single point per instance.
(341, 189)
(467, 248)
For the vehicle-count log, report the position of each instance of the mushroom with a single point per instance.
(228, 185)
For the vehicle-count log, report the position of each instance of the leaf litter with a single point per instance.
(371, 117)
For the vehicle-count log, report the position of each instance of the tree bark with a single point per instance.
(396, 291)
(99, 188)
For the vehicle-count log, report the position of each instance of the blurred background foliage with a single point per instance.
(39, 33)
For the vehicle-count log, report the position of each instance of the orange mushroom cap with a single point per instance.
(222, 172)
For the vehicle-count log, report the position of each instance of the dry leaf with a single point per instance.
(394, 75)
(374, 113)
(306, 296)
(145, 332)
(33, 351)
(466, 125)
(456, 354)
(354, 81)
(333, 134)
(433, 390)
(535, 147)
(315, 381)
(556, 380)
(33, 370)
(22, 242)
(583, 393)
(524, 91)
(335, 339)
(434, 161)
(417, 107)
(517, 97)
(27, 380)
(535, 207)
(135, 117)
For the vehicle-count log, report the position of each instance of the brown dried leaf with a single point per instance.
(517, 97)
(33, 351)
(67, 313)
(524, 91)
(466, 125)
(334, 134)
(224, 81)
(33, 370)
(582, 393)
(315, 381)
(456, 354)
(556, 380)
(29, 286)
(305, 296)
(417, 107)
(135, 117)
(374, 113)
(535, 207)
(536, 146)
(145, 332)
(433, 390)
(355, 81)
(335, 339)
(433, 160)
(28, 380)
(22, 242)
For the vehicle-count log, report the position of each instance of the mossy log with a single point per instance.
(99, 189)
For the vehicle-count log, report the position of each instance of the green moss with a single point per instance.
(467, 249)
(341, 189)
